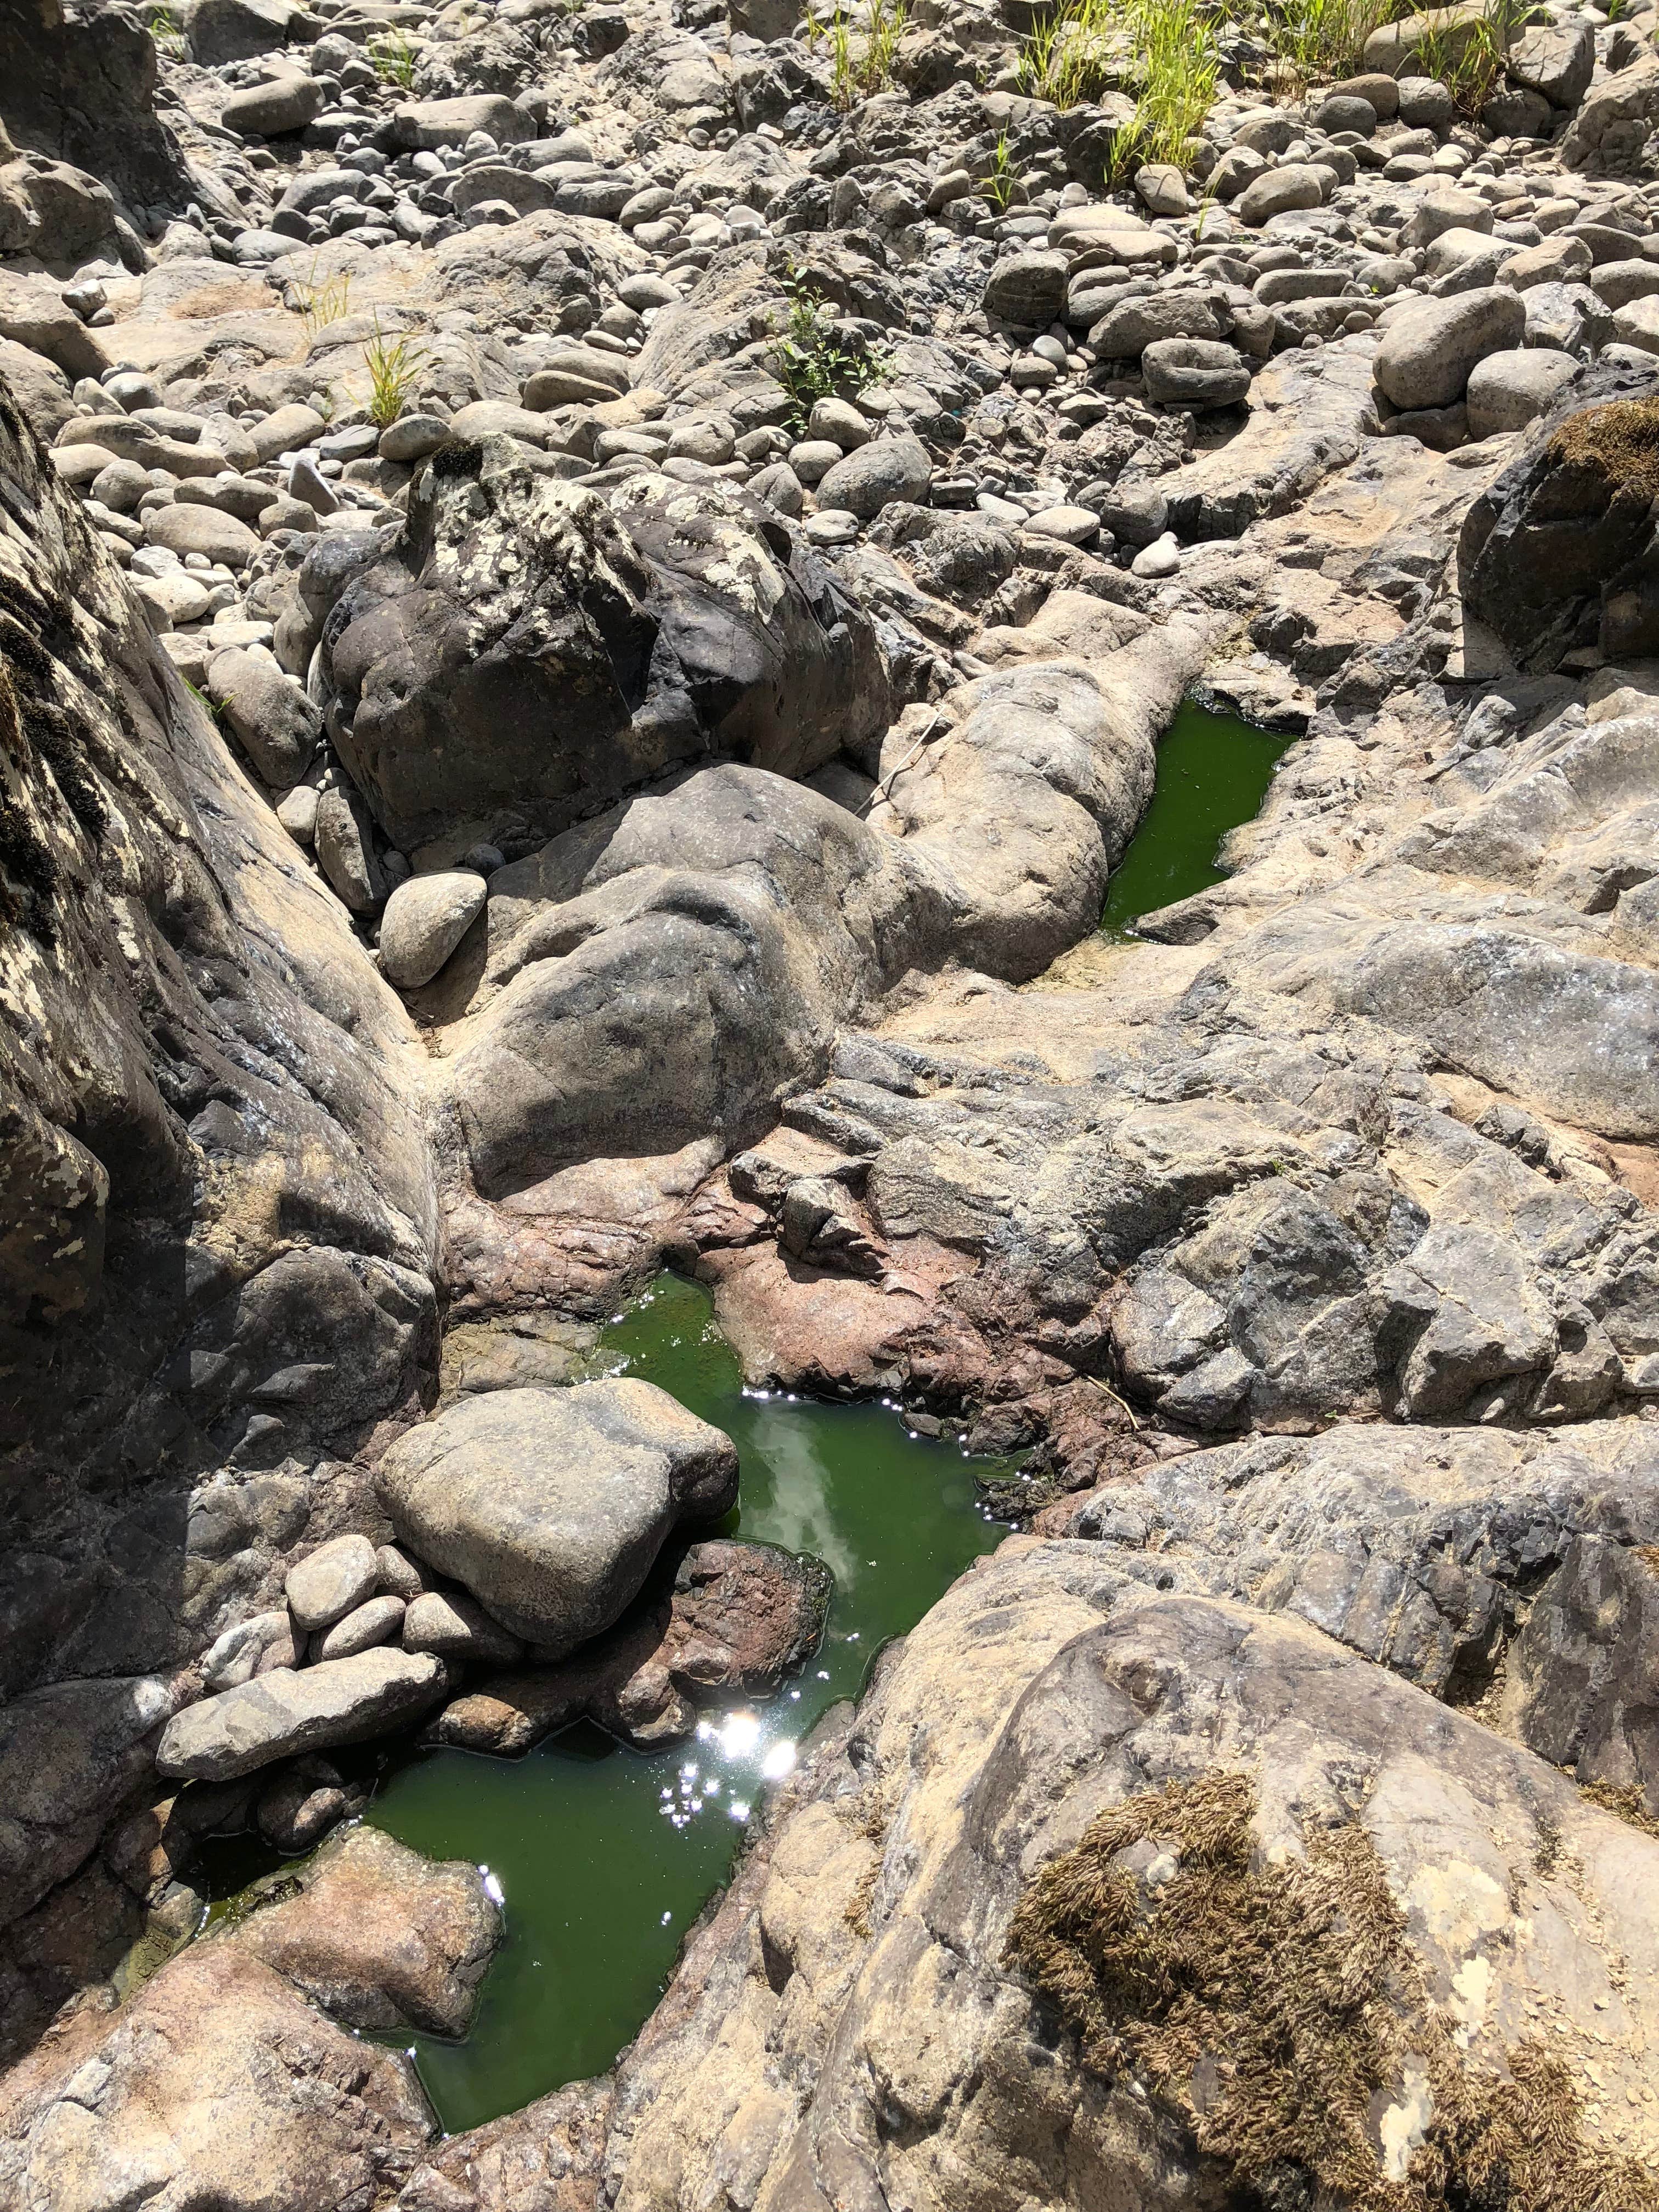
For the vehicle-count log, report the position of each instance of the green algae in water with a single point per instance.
(603, 1856)
(1214, 771)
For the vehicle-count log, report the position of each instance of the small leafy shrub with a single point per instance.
(394, 369)
(811, 360)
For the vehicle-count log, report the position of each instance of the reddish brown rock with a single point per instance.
(381, 1936)
(740, 1617)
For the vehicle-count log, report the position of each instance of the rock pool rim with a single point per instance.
(591, 1840)
(1176, 851)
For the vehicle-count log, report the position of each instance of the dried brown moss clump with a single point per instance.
(1275, 2011)
(1621, 440)
(1622, 1799)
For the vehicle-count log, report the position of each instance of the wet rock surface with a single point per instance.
(587, 606)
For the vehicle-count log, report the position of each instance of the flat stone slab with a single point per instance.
(275, 1715)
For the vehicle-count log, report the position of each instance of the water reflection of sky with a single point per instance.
(799, 1514)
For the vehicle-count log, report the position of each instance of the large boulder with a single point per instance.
(527, 650)
(379, 1936)
(1561, 529)
(278, 1714)
(216, 1210)
(1581, 1683)
(551, 1505)
(217, 2083)
(1104, 1878)
(1557, 60)
(736, 922)
(69, 1753)
(1418, 1547)
(80, 87)
(1428, 351)
(875, 475)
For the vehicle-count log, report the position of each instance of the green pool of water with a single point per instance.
(1214, 771)
(604, 1856)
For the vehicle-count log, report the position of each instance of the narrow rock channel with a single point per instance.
(829, 1106)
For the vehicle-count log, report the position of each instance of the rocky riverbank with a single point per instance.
(587, 597)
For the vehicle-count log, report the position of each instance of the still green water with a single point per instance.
(604, 1857)
(1214, 771)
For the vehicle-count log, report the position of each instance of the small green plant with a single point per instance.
(1180, 65)
(811, 360)
(392, 58)
(1001, 183)
(165, 29)
(1466, 57)
(394, 369)
(1314, 41)
(321, 300)
(1074, 54)
(859, 68)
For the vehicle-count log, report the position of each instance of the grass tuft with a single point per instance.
(860, 62)
(321, 301)
(394, 369)
(392, 57)
(1274, 2010)
(1619, 442)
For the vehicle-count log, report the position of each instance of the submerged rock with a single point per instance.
(379, 1936)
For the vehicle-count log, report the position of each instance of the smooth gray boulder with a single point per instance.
(1295, 185)
(377, 1621)
(1508, 391)
(277, 1715)
(551, 1505)
(1027, 289)
(425, 918)
(1558, 60)
(885, 470)
(325, 1585)
(287, 103)
(1428, 352)
(426, 123)
(1194, 372)
(268, 713)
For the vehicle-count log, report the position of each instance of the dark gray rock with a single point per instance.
(1583, 1686)
(886, 469)
(645, 632)
(1552, 536)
